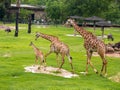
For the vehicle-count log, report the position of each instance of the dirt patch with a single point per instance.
(5, 27)
(72, 35)
(115, 54)
(50, 70)
(115, 78)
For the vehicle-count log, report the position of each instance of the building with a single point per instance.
(38, 11)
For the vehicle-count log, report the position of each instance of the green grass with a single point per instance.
(20, 54)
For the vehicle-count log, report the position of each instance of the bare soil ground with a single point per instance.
(4, 27)
(115, 54)
(72, 35)
(115, 78)
(50, 70)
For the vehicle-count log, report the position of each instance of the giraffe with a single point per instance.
(91, 44)
(38, 54)
(57, 47)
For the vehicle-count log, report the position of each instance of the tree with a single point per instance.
(2, 11)
(53, 10)
(61, 9)
(87, 7)
(4, 5)
(113, 13)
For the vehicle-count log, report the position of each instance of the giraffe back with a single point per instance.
(60, 47)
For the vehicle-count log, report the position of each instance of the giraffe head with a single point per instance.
(69, 22)
(37, 35)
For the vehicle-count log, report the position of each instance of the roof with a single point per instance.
(94, 18)
(76, 17)
(28, 6)
(103, 23)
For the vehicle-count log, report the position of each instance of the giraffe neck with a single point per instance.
(49, 37)
(34, 47)
(80, 30)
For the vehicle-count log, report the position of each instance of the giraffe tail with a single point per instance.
(70, 61)
(70, 57)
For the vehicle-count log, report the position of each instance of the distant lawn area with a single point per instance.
(15, 54)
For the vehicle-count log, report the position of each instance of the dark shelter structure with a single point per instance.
(94, 19)
(76, 17)
(103, 24)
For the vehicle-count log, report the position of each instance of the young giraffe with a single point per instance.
(91, 44)
(57, 47)
(38, 54)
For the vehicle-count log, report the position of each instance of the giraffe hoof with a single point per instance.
(103, 75)
(72, 72)
(59, 70)
(44, 68)
(38, 68)
(97, 72)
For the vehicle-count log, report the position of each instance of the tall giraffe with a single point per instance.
(57, 47)
(38, 54)
(91, 44)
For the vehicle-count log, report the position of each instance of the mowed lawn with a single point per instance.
(15, 54)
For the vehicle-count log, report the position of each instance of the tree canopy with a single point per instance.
(61, 9)
(4, 5)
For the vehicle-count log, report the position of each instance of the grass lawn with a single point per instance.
(15, 54)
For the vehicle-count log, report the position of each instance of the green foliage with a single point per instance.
(2, 11)
(15, 54)
(4, 5)
(114, 12)
(53, 10)
(59, 10)
(24, 15)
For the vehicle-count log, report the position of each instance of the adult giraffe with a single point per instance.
(91, 44)
(57, 47)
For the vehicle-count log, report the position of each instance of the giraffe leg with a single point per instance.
(70, 61)
(43, 63)
(89, 54)
(62, 61)
(36, 60)
(104, 65)
(88, 61)
(48, 54)
(57, 59)
(40, 63)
